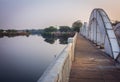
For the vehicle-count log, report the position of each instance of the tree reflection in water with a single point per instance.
(47, 38)
(51, 39)
(63, 40)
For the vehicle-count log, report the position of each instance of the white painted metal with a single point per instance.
(100, 31)
(117, 30)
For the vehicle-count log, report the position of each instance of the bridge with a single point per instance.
(93, 55)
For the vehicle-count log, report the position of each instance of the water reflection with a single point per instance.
(10, 36)
(24, 59)
(48, 37)
(63, 40)
(51, 39)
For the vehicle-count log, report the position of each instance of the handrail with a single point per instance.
(59, 70)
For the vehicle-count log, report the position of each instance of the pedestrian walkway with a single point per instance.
(92, 65)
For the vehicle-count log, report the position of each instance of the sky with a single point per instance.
(39, 14)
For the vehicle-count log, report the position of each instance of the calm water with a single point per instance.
(24, 59)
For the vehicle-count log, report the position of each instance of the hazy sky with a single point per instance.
(24, 14)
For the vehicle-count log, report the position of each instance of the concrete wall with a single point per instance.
(59, 70)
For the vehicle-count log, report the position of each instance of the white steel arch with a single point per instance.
(100, 31)
(117, 30)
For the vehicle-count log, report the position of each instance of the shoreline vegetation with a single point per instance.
(50, 33)
(30, 32)
(12, 33)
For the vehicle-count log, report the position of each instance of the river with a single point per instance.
(24, 59)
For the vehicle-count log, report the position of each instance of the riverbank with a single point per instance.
(12, 34)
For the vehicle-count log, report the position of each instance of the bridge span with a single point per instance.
(92, 64)
(93, 55)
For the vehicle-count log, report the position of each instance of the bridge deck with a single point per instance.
(92, 65)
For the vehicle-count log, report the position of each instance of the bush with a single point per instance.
(76, 26)
(50, 29)
(64, 29)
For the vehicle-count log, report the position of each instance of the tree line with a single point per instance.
(75, 28)
(51, 30)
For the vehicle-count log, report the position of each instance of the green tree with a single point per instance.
(115, 22)
(64, 29)
(11, 31)
(50, 29)
(76, 26)
(1, 30)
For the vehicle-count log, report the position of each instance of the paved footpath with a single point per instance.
(92, 65)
